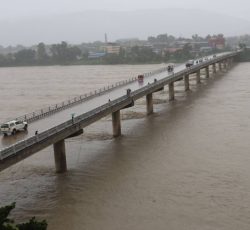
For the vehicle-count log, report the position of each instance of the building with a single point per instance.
(217, 42)
(112, 48)
(93, 55)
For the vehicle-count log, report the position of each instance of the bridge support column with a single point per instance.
(231, 61)
(225, 64)
(171, 91)
(186, 82)
(60, 156)
(198, 77)
(149, 99)
(116, 122)
(220, 67)
(214, 68)
(207, 72)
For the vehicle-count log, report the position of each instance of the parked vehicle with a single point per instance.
(189, 63)
(170, 68)
(12, 127)
(140, 78)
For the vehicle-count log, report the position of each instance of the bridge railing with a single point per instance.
(20, 145)
(40, 113)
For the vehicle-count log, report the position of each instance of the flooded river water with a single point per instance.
(184, 167)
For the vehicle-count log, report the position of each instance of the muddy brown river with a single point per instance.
(185, 167)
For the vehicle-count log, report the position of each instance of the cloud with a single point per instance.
(91, 25)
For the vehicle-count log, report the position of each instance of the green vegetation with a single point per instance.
(9, 224)
(245, 55)
(162, 48)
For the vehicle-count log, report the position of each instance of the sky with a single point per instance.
(26, 8)
(29, 22)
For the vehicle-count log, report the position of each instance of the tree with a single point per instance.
(163, 38)
(186, 50)
(42, 56)
(171, 39)
(197, 38)
(33, 224)
(8, 224)
(63, 54)
(151, 39)
(25, 56)
(242, 46)
(5, 222)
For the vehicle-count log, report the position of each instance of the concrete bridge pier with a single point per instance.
(186, 82)
(198, 77)
(220, 67)
(60, 156)
(214, 68)
(149, 101)
(171, 91)
(116, 122)
(225, 64)
(230, 62)
(207, 71)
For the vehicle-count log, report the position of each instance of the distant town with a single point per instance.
(158, 49)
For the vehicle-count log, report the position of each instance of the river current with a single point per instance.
(184, 167)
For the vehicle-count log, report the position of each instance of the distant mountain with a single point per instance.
(91, 26)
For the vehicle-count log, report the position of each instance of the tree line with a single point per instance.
(131, 52)
(63, 54)
(57, 54)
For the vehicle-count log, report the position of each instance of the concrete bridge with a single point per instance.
(55, 123)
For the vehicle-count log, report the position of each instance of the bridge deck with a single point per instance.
(65, 115)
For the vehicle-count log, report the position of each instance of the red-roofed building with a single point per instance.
(217, 42)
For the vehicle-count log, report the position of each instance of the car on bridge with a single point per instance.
(170, 68)
(190, 63)
(12, 127)
(140, 78)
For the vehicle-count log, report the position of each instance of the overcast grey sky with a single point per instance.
(16, 8)
(31, 21)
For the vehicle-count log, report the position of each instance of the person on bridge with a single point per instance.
(72, 117)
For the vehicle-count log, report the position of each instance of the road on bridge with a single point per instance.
(92, 103)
